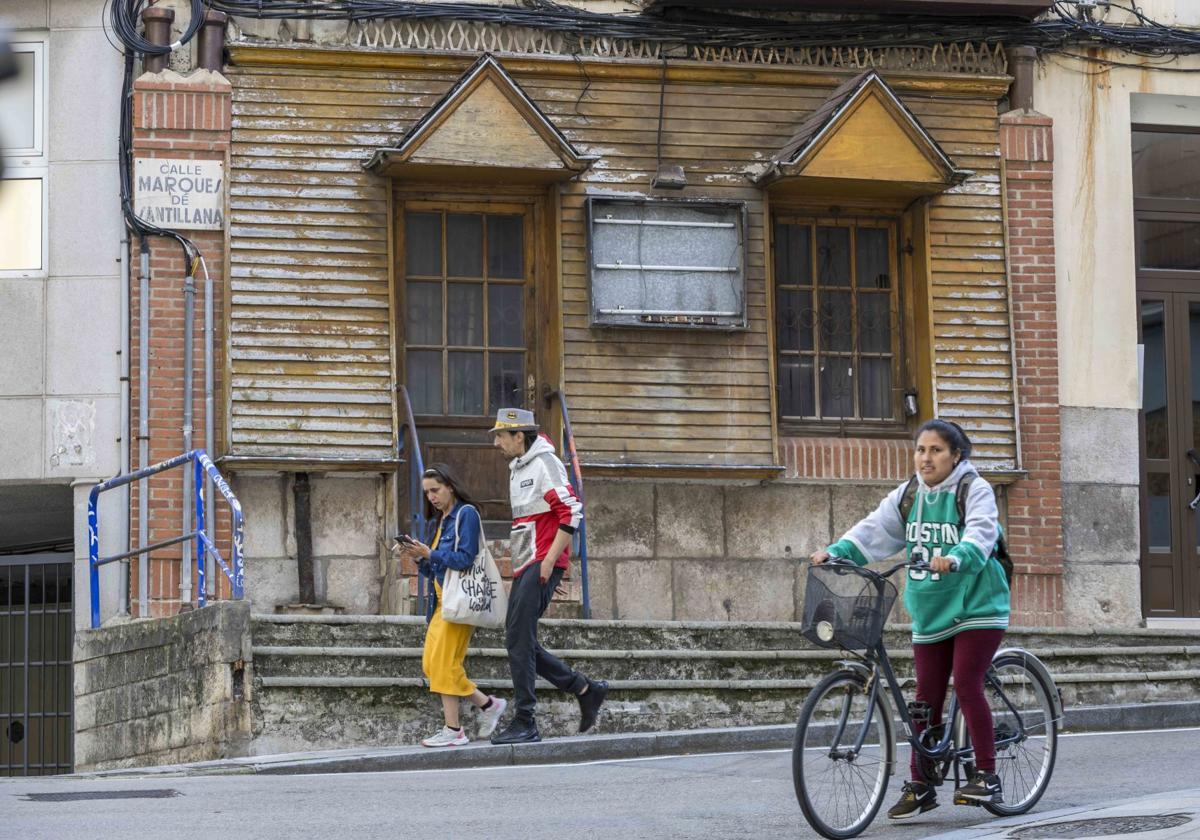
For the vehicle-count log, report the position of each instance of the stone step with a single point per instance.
(564, 633)
(720, 665)
(327, 681)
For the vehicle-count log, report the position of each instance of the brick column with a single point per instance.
(176, 117)
(1035, 524)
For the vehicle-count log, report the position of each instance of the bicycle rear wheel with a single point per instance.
(1025, 730)
(840, 787)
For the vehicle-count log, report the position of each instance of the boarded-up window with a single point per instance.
(667, 263)
(837, 335)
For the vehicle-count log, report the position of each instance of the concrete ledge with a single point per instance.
(609, 747)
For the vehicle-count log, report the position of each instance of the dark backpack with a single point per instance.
(1000, 552)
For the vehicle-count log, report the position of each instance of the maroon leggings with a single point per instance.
(967, 655)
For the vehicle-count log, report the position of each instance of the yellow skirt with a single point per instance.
(445, 650)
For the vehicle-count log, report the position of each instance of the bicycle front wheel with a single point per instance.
(1025, 730)
(843, 756)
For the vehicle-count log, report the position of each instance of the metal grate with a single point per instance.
(1101, 827)
(36, 685)
(88, 796)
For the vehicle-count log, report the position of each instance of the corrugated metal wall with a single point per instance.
(311, 352)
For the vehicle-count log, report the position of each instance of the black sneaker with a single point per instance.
(518, 732)
(916, 798)
(589, 704)
(983, 787)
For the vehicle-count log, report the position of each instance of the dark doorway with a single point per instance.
(36, 688)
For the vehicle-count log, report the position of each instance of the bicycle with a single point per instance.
(845, 751)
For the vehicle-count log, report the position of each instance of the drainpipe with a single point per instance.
(123, 259)
(189, 361)
(210, 566)
(304, 555)
(144, 424)
(1021, 63)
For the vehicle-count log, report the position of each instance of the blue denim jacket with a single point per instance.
(463, 523)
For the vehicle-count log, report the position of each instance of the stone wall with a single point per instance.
(700, 551)
(351, 516)
(163, 691)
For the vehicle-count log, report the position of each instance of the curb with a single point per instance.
(583, 748)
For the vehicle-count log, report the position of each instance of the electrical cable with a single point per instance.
(1058, 30)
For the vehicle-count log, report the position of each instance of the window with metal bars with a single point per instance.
(837, 330)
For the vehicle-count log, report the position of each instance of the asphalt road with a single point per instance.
(741, 795)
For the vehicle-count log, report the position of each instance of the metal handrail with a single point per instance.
(202, 465)
(416, 469)
(575, 474)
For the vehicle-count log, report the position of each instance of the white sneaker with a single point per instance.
(447, 737)
(488, 718)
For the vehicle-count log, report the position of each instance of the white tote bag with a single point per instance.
(476, 595)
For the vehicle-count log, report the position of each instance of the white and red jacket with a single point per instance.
(543, 503)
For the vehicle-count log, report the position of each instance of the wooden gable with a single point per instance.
(484, 128)
(862, 141)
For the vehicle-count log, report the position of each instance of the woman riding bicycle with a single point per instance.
(959, 608)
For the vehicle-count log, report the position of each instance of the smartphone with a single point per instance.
(405, 539)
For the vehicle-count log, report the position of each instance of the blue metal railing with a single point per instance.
(575, 473)
(416, 494)
(202, 465)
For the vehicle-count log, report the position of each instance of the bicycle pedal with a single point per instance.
(962, 800)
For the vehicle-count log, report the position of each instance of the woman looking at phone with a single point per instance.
(454, 546)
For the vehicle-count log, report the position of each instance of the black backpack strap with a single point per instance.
(960, 497)
(907, 499)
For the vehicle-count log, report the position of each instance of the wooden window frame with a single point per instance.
(527, 282)
(898, 425)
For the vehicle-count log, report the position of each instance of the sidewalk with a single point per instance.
(1156, 817)
(479, 754)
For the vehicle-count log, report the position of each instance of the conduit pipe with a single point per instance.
(189, 361)
(144, 424)
(124, 351)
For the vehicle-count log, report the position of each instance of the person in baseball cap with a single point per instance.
(546, 514)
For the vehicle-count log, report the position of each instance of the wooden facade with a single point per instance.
(316, 343)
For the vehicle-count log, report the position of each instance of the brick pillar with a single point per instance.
(176, 117)
(1035, 524)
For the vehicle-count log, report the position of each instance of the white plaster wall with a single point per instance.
(60, 390)
(1093, 220)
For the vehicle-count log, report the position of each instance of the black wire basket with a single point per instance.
(845, 606)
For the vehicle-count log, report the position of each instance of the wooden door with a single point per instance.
(1170, 453)
(467, 304)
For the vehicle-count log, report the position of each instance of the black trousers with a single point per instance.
(526, 658)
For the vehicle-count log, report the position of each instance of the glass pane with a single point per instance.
(1166, 164)
(796, 391)
(506, 246)
(837, 387)
(795, 320)
(464, 314)
(424, 381)
(1158, 513)
(833, 256)
(21, 224)
(874, 323)
(1194, 361)
(875, 388)
(423, 321)
(835, 320)
(506, 315)
(506, 374)
(466, 383)
(464, 245)
(423, 244)
(1169, 245)
(793, 255)
(17, 99)
(871, 258)
(1154, 380)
